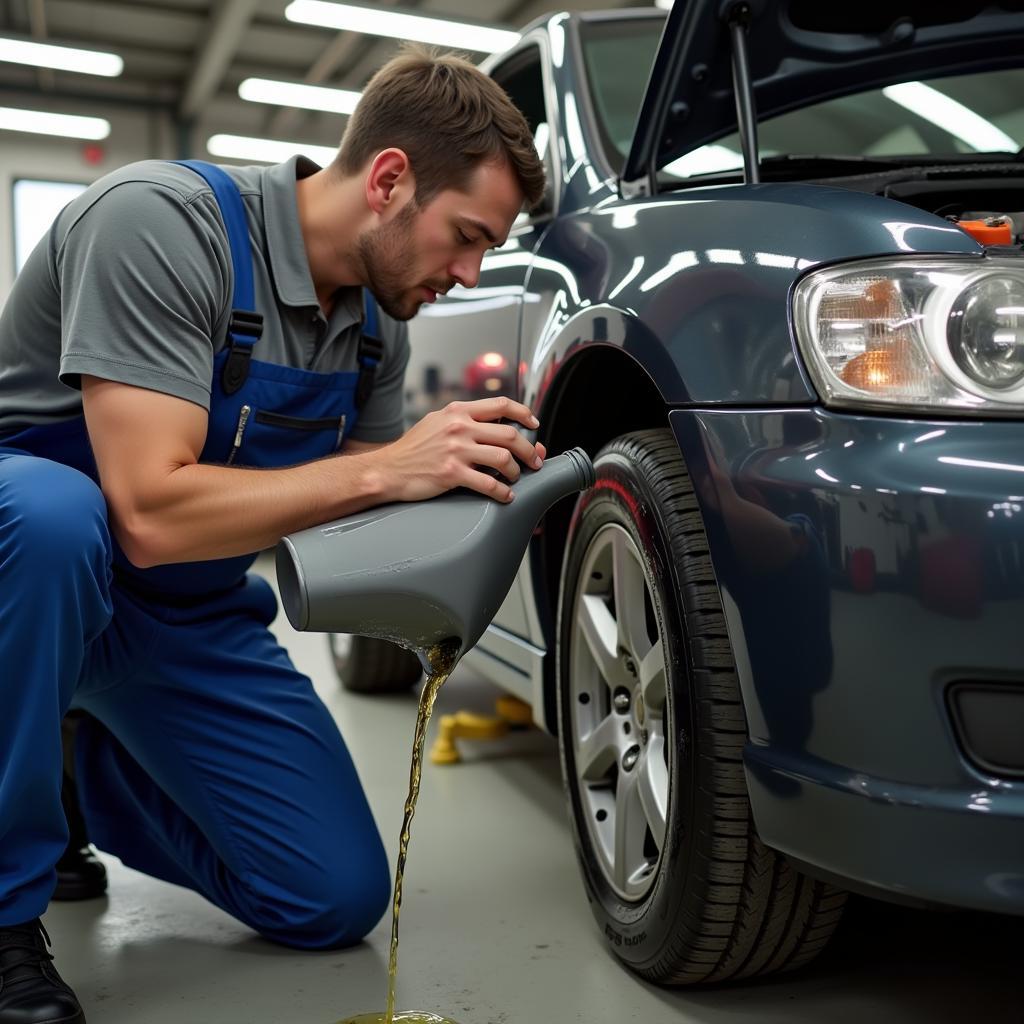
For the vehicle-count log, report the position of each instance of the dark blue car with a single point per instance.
(777, 291)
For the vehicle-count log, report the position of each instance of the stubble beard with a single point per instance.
(386, 255)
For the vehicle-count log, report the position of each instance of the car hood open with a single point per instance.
(801, 52)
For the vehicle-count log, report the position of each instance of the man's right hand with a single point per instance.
(445, 448)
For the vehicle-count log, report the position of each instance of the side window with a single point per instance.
(522, 78)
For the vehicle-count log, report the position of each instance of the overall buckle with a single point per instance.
(236, 367)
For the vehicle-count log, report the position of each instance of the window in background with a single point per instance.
(36, 204)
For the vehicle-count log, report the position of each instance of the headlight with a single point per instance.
(928, 333)
(986, 331)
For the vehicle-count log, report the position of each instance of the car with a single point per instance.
(776, 290)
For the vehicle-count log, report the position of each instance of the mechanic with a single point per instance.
(190, 368)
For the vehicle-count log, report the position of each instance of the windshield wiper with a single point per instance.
(797, 161)
(788, 164)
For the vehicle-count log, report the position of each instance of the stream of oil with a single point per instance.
(441, 658)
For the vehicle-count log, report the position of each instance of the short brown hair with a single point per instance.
(448, 117)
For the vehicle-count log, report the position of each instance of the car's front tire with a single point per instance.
(367, 665)
(652, 728)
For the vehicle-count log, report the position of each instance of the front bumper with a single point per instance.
(868, 567)
(958, 846)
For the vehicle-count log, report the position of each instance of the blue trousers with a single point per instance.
(209, 762)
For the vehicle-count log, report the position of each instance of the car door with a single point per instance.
(465, 346)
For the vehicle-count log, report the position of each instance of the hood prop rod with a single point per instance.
(738, 17)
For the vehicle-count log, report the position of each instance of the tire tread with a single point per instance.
(376, 666)
(759, 914)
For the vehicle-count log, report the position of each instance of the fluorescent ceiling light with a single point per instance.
(68, 126)
(63, 58)
(292, 94)
(665, 5)
(375, 22)
(951, 116)
(271, 151)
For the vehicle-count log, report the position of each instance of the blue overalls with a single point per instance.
(209, 761)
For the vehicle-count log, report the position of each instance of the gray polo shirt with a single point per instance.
(133, 283)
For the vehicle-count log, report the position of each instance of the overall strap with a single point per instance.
(245, 325)
(371, 349)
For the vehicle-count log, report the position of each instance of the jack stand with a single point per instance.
(512, 713)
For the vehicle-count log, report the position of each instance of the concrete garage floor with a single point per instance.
(495, 928)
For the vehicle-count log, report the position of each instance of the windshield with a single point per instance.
(940, 117)
(618, 56)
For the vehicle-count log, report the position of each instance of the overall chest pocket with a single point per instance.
(268, 439)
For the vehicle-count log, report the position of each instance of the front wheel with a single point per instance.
(651, 728)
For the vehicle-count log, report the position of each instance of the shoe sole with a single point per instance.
(73, 892)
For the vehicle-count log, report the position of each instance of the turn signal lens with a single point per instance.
(864, 327)
(885, 370)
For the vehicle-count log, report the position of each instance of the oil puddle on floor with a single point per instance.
(410, 1017)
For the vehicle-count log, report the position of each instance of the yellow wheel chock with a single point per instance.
(467, 725)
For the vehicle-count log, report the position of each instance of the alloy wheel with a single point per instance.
(617, 678)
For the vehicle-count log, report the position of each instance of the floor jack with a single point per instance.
(510, 713)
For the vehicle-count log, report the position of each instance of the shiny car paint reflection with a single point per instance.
(865, 562)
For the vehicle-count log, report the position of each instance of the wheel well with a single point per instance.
(601, 394)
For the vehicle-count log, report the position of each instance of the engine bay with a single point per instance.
(986, 200)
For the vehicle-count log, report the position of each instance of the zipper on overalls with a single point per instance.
(243, 418)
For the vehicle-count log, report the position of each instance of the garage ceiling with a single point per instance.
(187, 57)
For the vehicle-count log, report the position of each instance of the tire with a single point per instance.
(367, 665)
(681, 886)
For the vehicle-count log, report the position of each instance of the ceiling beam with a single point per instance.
(337, 52)
(226, 27)
(37, 20)
(341, 49)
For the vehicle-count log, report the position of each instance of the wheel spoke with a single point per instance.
(630, 829)
(652, 783)
(630, 591)
(598, 750)
(652, 679)
(600, 631)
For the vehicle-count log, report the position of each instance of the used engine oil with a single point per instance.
(430, 576)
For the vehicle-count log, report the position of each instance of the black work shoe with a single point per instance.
(31, 990)
(80, 873)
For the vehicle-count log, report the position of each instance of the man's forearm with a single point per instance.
(165, 506)
(206, 511)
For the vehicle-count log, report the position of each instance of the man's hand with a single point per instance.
(443, 450)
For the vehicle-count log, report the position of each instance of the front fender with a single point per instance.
(600, 326)
(696, 286)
